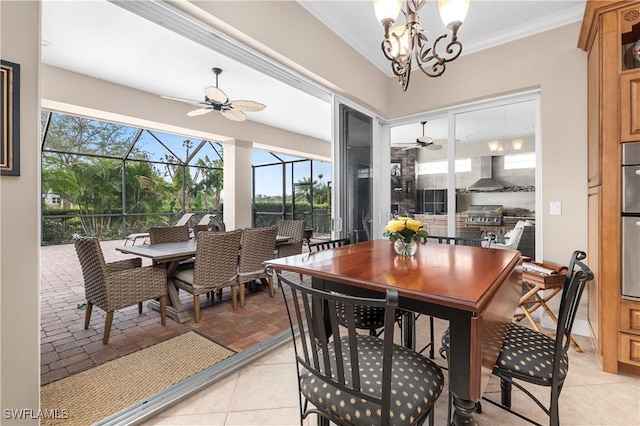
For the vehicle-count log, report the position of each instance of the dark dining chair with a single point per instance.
(350, 378)
(366, 318)
(535, 358)
(116, 285)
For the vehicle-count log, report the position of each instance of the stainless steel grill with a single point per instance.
(484, 215)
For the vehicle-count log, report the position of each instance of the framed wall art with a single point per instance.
(10, 119)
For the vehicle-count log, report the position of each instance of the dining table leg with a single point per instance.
(175, 310)
(460, 369)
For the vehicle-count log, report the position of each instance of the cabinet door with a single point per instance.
(630, 106)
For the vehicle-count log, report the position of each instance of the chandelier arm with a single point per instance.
(428, 59)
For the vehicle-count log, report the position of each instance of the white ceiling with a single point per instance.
(105, 41)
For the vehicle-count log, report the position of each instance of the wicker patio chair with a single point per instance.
(295, 230)
(215, 267)
(116, 285)
(168, 234)
(257, 246)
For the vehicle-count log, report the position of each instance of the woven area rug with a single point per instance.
(94, 394)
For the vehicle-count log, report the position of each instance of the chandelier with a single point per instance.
(403, 43)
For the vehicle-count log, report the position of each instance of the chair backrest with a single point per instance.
(216, 224)
(291, 228)
(184, 220)
(258, 245)
(324, 245)
(216, 262)
(527, 245)
(94, 268)
(204, 228)
(168, 234)
(336, 361)
(578, 274)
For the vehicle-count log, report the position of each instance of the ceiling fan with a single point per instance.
(425, 141)
(216, 100)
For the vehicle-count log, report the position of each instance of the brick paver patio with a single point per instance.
(67, 348)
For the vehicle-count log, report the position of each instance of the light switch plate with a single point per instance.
(555, 208)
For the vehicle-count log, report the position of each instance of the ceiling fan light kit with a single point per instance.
(403, 44)
(216, 100)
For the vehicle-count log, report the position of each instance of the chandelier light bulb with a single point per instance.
(452, 11)
(494, 145)
(400, 42)
(387, 10)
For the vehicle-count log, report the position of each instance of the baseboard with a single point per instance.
(580, 327)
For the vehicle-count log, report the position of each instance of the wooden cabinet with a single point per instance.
(630, 106)
(607, 30)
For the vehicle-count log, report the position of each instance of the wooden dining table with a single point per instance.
(475, 289)
(171, 254)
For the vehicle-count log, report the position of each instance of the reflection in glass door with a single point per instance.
(356, 140)
(479, 175)
(495, 173)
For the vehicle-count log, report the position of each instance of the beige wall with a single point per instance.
(551, 62)
(19, 222)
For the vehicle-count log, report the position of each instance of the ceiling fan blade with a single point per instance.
(199, 111)
(247, 106)
(186, 101)
(234, 114)
(409, 147)
(441, 141)
(434, 147)
(216, 95)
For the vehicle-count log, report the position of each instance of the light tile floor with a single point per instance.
(265, 393)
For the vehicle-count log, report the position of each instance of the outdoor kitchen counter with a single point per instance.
(439, 221)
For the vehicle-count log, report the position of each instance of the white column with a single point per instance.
(237, 184)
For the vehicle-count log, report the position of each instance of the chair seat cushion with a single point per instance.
(365, 317)
(528, 354)
(416, 384)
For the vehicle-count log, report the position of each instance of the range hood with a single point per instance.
(486, 181)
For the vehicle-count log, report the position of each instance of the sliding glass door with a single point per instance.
(479, 157)
(354, 164)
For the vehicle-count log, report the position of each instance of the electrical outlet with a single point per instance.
(555, 208)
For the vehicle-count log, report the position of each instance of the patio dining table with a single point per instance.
(475, 289)
(171, 254)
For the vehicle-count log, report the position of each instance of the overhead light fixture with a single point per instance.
(517, 144)
(494, 145)
(402, 44)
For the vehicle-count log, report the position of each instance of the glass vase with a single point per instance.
(404, 248)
